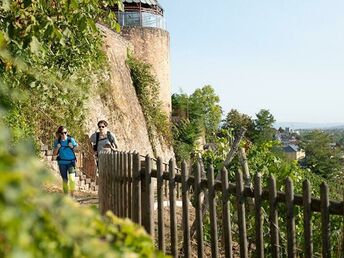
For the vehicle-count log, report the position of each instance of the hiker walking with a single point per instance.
(103, 139)
(64, 147)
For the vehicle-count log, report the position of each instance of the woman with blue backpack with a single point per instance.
(64, 147)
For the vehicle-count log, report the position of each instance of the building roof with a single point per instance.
(149, 2)
(291, 148)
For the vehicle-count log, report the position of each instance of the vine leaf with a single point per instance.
(35, 46)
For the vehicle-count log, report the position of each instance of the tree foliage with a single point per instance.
(196, 116)
(258, 130)
(217, 151)
(204, 107)
(262, 158)
(264, 130)
(50, 52)
(236, 120)
(321, 158)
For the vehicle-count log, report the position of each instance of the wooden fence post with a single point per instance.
(101, 184)
(241, 214)
(105, 171)
(136, 208)
(227, 227)
(125, 183)
(111, 182)
(198, 211)
(130, 184)
(117, 184)
(120, 180)
(212, 213)
(160, 199)
(173, 217)
(289, 198)
(325, 221)
(274, 229)
(165, 183)
(259, 216)
(185, 200)
(307, 219)
(147, 199)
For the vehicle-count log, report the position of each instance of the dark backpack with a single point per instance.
(68, 141)
(108, 135)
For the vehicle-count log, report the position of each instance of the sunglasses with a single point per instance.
(101, 126)
(63, 132)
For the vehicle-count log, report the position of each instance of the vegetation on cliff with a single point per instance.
(50, 52)
(147, 90)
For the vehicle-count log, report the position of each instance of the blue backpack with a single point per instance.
(69, 140)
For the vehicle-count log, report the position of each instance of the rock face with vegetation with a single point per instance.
(152, 45)
(117, 102)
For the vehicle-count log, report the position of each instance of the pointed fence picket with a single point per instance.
(137, 187)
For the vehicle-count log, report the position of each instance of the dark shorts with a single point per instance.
(66, 169)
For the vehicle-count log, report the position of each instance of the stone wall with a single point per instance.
(120, 106)
(152, 45)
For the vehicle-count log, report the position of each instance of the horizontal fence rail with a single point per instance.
(148, 191)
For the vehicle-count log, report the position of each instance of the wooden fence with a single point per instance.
(130, 185)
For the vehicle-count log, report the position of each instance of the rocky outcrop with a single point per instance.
(119, 104)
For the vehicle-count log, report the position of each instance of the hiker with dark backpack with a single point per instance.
(64, 147)
(103, 140)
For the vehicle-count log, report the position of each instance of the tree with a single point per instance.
(281, 130)
(204, 107)
(263, 126)
(194, 116)
(236, 120)
(180, 105)
(321, 158)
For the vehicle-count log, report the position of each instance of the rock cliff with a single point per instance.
(119, 104)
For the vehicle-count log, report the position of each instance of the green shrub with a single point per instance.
(147, 88)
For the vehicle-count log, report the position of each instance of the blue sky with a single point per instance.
(285, 56)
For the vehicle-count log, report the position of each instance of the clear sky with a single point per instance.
(283, 55)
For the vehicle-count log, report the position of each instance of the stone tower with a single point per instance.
(143, 25)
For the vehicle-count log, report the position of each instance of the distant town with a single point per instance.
(293, 140)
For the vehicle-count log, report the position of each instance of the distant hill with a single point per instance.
(301, 125)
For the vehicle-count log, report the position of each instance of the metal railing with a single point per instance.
(142, 19)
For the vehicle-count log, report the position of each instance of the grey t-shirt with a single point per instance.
(103, 142)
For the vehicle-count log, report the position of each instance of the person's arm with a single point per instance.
(73, 144)
(57, 147)
(114, 140)
(93, 140)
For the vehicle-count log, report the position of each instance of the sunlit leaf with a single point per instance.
(6, 5)
(2, 40)
(35, 45)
